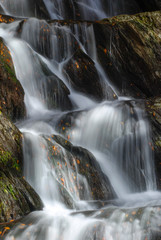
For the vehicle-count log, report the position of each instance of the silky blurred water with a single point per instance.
(115, 132)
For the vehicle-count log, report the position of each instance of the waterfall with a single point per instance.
(109, 135)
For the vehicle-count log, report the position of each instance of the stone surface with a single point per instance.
(129, 50)
(57, 93)
(153, 107)
(11, 91)
(83, 75)
(79, 161)
(17, 198)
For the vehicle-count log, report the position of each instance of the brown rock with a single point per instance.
(11, 91)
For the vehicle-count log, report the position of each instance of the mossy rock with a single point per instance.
(10, 144)
(129, 49)
(11, 91)
(63, 155)
(17, 198)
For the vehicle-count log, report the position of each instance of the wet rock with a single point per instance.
(57, 93)
(79, 162)
(151, 5)
(17, 198)
(83, 76)
(6, 18)
(41, 10)
(11, 91)
(10, 144)
(129, 51)
(153, 107)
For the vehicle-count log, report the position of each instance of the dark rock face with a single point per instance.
(153, 107)
(17, 198)
(57, 93)
(81, 162)
(129, 50)
(150, 5)
(41, 11)
(11, 91)
(83, 75)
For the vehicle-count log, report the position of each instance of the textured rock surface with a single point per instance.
(83, 75)
(11, 91)
(129, 50)
(64, 155)
(17, 198)
(153, 107)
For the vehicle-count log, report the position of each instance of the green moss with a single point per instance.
(8, 189)
(158, 143)
(9, 70)
(11, 190)
(7, 158)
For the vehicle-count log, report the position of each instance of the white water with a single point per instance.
(70, 9)
(89, 9)
(115, 132)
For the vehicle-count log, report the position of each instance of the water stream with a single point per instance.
(116, 134)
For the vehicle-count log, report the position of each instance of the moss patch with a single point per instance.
(6, 158)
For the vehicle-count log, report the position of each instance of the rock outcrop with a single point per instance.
(129, 51)
(11, 91)
(17, 198)
(67, 159)
(153, 107)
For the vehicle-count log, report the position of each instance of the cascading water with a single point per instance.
(69, 9)
(115, 133)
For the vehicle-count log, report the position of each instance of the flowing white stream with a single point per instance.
(116, 132)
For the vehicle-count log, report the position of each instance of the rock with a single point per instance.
(41, 10)
(153, 107)
(6, 18)
(129, 50)
(150, 5)
(17, 198)
(57, 93)
(79, 162)
(83, 76)
(11, 91)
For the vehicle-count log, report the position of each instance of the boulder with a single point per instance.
(83, 76)
(153, 107)
(11, 91)
(78, 161)
(17, 198)
(57, 93)
(129, 49)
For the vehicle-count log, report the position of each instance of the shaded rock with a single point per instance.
(80, 162)
(17, 198)
(41, 10)
(10, 144)
(150, 5)
(129, 50)
(83, 75)
(11, 91)
(153, 107)
(57, 93)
